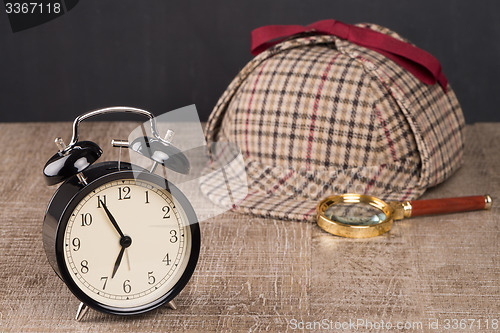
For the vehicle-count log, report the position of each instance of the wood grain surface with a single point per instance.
(259, 274)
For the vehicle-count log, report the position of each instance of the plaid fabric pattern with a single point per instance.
(318, 115)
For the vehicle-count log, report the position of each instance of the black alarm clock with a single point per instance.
(123, 239)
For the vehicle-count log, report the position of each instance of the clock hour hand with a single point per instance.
(125, 242)
(112, 219)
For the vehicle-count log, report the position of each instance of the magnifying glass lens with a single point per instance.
(359, 213)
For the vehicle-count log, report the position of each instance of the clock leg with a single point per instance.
(172, 305)
(82, 310)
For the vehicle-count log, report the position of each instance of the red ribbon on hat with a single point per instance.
(423, 65)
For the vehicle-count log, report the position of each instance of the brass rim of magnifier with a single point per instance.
(354, 231)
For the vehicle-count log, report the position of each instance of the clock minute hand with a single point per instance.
(112, 219)
(118, 261)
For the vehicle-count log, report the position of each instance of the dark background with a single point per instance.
(162, 55)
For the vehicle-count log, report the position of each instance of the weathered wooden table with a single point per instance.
(264, 274)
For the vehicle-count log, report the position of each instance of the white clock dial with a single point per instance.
(139, 266)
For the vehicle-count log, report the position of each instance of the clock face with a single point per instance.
(127, 243)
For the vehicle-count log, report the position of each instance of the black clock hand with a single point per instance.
(112, 219)
(118, 261)
(125, 242)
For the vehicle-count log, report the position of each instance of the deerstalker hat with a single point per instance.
(333, 108)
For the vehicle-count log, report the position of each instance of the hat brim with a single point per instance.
(237, 190)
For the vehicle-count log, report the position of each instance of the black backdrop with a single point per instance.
(161, 55)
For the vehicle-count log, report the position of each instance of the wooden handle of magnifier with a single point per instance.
(450, 205)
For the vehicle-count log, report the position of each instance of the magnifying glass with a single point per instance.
(362, 216)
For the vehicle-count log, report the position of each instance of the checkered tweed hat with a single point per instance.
(316, 115)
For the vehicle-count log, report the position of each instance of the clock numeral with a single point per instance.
(166, 210)
(147, 197)
(85, 267)
(123, 193)
(86, 219)
(167, 260)
(105, 279)
(151, 278)
(76, 244)
(173, 236)
(127, 288)
(99, 199)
